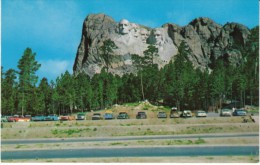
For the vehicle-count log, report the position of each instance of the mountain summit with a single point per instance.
(207, 40)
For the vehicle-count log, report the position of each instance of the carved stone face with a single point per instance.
(124, 27)
(134, 30)
(144, 34)
(158, 35)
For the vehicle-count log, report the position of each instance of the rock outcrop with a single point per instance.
(206, 39)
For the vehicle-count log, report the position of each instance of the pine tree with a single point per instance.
(66, 92)
(27, 78)
(8, 91)
(150, 54)
(44, 97)
(106, 52)
(84, 93)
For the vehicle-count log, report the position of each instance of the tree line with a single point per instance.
(176, 84)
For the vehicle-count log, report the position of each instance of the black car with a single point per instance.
(141, 115)
(123, 115)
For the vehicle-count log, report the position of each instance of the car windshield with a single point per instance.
(225, 110)
(97, 114)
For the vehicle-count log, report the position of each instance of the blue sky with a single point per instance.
(52, 28)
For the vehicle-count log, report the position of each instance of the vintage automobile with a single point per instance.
(4, 118)
(66, 117)
(96, 116)
(141, 115)
(186, 113)
(81, 116)
(162, 115)
(174, 113)
(201, 114)
(108, 115)
(51, 117)
(239, 112)
(18, 118)
(225, 112)
(38, 118)
(123, 115)
(28, 116)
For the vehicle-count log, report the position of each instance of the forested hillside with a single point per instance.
(176, 84)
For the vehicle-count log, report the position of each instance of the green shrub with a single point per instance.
(200, 141)
(116, 143)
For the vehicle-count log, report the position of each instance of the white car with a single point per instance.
(186, 113)
(225, 112)
(201, 114)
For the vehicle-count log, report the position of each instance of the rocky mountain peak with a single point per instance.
(207, 40)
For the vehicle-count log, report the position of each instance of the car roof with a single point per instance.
(240, 110)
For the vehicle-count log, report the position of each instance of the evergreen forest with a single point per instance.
(176, 84)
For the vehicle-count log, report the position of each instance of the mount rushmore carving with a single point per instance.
(206, 39)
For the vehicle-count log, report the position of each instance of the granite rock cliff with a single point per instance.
(207, 40)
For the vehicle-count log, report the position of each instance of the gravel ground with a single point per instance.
(133, 127)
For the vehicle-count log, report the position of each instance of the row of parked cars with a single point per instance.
(50, 117)
(184, 114)
(142, 114)
(235, 112)
(108, 115)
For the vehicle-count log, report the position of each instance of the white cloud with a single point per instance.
(54, 68)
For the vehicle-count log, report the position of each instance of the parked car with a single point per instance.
(123, 115)
(28, 116)
(186, 113)
(96, 116)
(141, 115)
(81, 116)
(174, 113)
(239, 112)
(66, 117)
(201, 114)
(225, 112)
(18, 118)
(162, 115)
(4, 118)
(51, 117)
(108, 115)
(12, 119)
(38, 118)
